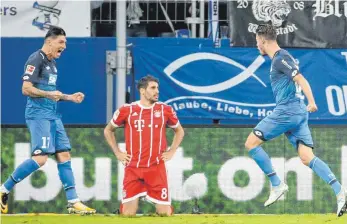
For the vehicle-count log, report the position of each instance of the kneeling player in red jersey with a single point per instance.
(145, 124)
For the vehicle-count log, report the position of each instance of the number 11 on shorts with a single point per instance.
(45, 142)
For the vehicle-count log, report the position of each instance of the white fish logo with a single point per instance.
(245, 74)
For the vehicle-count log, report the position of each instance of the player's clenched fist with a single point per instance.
(312, 107)
(77, 97)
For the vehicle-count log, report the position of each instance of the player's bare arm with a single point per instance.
(305, 86)
(76, 97)
(178, 137)
(28, 89)
(109, 133)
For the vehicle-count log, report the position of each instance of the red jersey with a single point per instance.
(145, 131)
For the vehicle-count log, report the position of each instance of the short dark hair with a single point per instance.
(55, 31)
(143, 82)
(267, 31)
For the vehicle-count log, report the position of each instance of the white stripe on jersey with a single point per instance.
(174, 126)
(140, 123)
(131, 134)
(161, 128)
(113, 124)
(150, 152)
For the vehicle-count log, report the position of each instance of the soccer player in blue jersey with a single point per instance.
(48, 136)
(290, 117)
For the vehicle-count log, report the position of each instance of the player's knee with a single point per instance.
(40, 159)
(128, 212)
(305, 154)
(128, 209)
(165, 210)
(305, 159)
(252, 142)
(249, 144)
(63, 156)
(166, 213)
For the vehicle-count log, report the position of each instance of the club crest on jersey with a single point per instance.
(157, 113)
(30, 70)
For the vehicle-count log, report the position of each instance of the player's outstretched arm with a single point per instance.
(109, 133)
(305, 86)
(178, 137)
(28, 89)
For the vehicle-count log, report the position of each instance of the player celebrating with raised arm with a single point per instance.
(47, 132)
(290, 116)
(146, 147)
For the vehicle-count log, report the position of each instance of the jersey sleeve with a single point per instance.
(32, 68)
(287, 66)
(172, 120)
(120, 116)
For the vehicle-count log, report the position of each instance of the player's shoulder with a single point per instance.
(283, 52)
(127, 106)
(37, 56)
(285, 55)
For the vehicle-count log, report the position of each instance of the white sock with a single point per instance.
(4, 190)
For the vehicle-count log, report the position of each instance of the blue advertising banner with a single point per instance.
(201, 81)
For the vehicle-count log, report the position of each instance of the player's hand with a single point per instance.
(77, 97)
(166, 156)
(54, 95)
(312, 107)
(123, 157)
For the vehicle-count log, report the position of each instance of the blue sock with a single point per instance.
(22, 171)
(68, 181)
(264, 162)
(324, 172)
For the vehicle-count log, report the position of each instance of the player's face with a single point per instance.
(261, 45)
(151, 93)
(57, 45)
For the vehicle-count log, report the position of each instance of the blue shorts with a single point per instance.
(48, 137)
(291, 119)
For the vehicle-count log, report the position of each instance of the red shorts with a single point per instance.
(150, 182)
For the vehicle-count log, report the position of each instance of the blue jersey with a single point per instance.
(283, 70)
(42, 73)
(290, 115)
